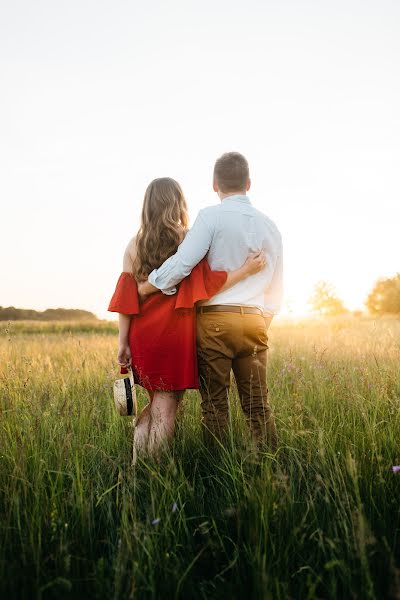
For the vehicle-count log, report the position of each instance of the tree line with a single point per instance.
(11, 313)
(384, 298)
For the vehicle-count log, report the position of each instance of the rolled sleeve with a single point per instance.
(191, 251)
(153, 278)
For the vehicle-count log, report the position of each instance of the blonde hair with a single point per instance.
(163, 225)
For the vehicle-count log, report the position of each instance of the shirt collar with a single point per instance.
(237, 198)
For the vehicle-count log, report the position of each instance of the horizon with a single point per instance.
(285, 314)
(93, 109)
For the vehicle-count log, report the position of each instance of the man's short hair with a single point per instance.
(231, 172)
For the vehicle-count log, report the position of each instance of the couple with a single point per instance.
(195, 304)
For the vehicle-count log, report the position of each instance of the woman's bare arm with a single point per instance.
(124, 351)
(129, 256)
(254, 264)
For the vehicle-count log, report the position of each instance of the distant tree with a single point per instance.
(51, 314)
(325, 301)
(67, 314)
(385, 296)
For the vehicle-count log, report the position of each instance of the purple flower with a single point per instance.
(396, 469)
(156, 521)
(174, 507)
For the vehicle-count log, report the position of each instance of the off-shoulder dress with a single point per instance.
(162, 334)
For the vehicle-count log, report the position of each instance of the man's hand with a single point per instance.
(145, 289)
(124, 355)
(255, 262)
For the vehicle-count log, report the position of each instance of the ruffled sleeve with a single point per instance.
(201, 284)
(125, 299)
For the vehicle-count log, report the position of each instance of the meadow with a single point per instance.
(318, 519)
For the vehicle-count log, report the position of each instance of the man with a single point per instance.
(232, 326)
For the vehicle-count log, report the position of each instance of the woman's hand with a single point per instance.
(124, 356)
(255, 262)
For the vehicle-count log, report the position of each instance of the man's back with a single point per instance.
(237, 228)
(226, 234)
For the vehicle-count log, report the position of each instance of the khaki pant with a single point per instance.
(234, 341)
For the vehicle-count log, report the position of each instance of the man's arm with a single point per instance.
(268, 320)
(191, 251)
(255, 262)
(274, 293)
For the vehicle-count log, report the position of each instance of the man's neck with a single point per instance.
(223, 195)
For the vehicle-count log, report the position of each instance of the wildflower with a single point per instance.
(156, 521)
(396, 469)
(230, 511)
(174, 507)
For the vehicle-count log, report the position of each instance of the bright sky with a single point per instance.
(99, 97)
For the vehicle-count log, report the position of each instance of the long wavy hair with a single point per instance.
(164, 224)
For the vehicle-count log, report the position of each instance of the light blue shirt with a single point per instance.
(226, 234)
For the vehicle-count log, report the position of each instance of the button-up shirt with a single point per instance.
(226, 234)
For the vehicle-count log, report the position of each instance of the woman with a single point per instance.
(158, 337)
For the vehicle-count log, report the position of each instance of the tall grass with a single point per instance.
(320, 519)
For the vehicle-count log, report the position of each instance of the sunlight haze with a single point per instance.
(98, 98)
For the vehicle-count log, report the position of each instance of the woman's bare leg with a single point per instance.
(141, 433)
(163, 411)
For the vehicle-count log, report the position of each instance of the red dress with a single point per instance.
(162, 334)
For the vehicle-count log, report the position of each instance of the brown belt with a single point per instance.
(247, 310)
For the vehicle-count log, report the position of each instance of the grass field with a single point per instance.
(318, 520)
